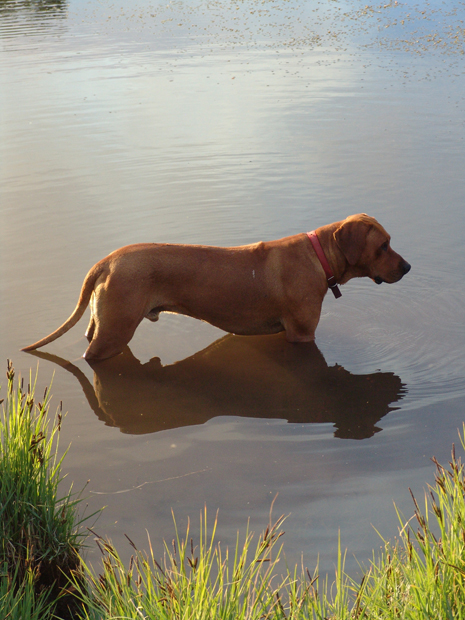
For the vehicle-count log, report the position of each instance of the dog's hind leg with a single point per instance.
(110, 338)
(115, 317)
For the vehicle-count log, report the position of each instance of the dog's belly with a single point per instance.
(240, 324)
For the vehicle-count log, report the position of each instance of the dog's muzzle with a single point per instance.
(404, 268)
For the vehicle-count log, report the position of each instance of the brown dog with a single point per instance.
(262, 288)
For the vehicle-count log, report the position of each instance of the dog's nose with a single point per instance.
(406, 267)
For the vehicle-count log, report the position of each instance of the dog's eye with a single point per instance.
(385, 246)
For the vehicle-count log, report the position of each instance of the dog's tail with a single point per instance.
(83, 301)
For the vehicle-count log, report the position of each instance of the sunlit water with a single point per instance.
(224, 124)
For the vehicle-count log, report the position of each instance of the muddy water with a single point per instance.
(224, 124)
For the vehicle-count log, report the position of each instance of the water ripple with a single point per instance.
(415, 331)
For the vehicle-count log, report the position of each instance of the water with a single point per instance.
(224, 124)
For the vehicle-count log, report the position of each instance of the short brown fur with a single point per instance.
(263, 288)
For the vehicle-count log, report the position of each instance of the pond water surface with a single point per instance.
(225, 123)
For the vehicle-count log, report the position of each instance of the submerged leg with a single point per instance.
(116, 313)
(302, 328)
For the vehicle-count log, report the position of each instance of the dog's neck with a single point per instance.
(343, 272)
(330, 277)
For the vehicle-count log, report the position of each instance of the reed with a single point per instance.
(40, 532)
(419, 576)
(423, 575)
(201, 581)
(19, 600)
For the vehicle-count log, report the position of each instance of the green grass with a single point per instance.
(40, 533)
(420, 575)
(202, 582)
(19, 599)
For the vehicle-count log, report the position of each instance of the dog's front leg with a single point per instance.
(300, 326)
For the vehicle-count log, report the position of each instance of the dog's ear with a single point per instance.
(351, 238)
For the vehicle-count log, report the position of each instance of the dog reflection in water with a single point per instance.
(249, 376)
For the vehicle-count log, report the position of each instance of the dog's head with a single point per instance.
(366, 247)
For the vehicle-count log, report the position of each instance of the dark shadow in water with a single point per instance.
(32, 7)
(31, 17)
(250, 376)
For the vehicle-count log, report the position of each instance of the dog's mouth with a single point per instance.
(394, 276)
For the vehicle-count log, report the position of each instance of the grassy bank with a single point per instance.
(40, 533)
(420, 575)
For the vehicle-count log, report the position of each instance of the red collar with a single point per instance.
(324, 263)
